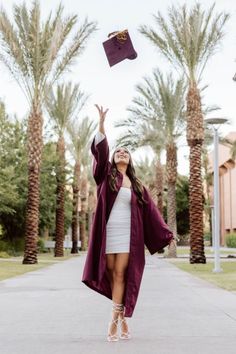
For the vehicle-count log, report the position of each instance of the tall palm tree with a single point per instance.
(74, 222)
(62, 106)
(144, 169)
(37, 53)
(159, 181)
(85, 184)
(83, 209)
(80, 138)
(187, 40)
(164, 98)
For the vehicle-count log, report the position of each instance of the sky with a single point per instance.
(114, 87)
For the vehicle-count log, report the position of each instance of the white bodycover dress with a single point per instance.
(119, 222)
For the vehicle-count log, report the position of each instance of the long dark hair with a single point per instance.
(135, 181)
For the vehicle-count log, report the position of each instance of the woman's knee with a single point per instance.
(119, 276)
(110, 263)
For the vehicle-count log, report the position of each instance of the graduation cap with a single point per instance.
(119, 47)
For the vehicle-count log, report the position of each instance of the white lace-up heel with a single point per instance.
(116, 309)
(123, 335)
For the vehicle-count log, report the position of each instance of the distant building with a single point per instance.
(227, 171)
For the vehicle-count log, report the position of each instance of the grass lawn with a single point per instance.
(208, 252)
(225, 279)
(11, 267)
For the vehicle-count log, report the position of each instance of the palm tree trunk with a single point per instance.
(60, 192)
(74, 223)
(159, 185)
(171, 172)
(82, 226)
(195, 137)
(35, 144)
(90, 221)
(84, 189)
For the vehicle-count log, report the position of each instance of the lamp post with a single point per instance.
(215, 123)
(212, 229)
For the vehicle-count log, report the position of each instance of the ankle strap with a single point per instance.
(117, 307)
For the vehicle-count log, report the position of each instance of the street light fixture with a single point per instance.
(215, 123)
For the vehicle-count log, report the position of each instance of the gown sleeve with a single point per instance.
(157, 235)
(100, 151)
(98, 138)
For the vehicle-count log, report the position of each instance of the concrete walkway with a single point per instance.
(50, 311)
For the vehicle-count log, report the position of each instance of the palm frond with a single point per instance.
(75, 48)
(157, 114)
(188, 38)
(64, 104)
(81, 132)
(38, 53)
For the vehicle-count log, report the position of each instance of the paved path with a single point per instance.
(50, 311)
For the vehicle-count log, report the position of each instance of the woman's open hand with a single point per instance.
(102, 113)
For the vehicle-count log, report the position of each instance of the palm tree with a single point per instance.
(62, 108)
(171, 106)
(74, 222)
(37, 53)
(159, 181)
(144, 169)
(187, 42)
(83, 209)
(80, 137)
(150, 172)
(164, 99)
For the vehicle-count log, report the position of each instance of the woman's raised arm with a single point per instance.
(100, 149)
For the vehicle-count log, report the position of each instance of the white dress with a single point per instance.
(119, 222)
(118, 225)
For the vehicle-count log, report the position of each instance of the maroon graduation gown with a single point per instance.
(147, 228)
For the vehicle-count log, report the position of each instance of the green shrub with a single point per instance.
(183, 240)
(207, 236)
(41, 246)
(17, 245)
(4, 255)
(231, 240)
(13, 248)
(3, 246)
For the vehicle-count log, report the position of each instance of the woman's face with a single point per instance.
(121, 156)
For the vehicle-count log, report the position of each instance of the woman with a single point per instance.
(125, 220)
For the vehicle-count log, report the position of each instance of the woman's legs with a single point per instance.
(120, 266)
(117, 265)
(110, 261)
